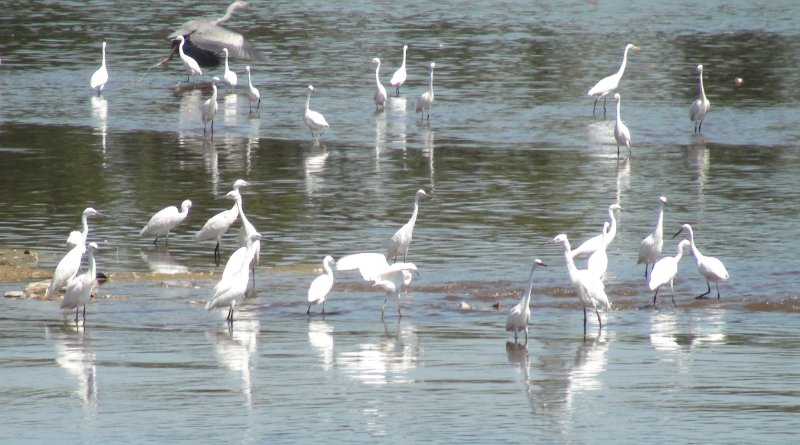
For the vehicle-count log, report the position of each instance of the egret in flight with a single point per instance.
(380, 91)
(426, 100)
(400, 241)
(664, 272)
(699, 108)
(79, 287)
(252, 92)
(316, 121)
(208, 109)
(610, 83)
(621, 133)
(588, 286)
(374, 268)
(318, 291)
(399, 76)
(189, 64)
(651, 246)
(205, 39)
(76, 237)
(710, 268)
(592, 244)
(165, 220)
(520, 315)
(232, 289)
(229, 77)
(100, 77)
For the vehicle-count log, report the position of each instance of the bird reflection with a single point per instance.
(253, 139)
(160, 261)
(517, 354)
(100, 118)
(386, 361)
(229, 109)
(320, 337)
(189, 109)
(74, 353)
(396, 133)
(698, 160)
(590, 361)
(600, 134)
(314, 165)
(678, 337)
(236, 345)
(427, 150)
(211, 164)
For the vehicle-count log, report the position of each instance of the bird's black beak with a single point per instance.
(678, 233)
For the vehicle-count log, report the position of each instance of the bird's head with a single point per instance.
(240, 183)
(617, 97)
(187, 204)
(88, 211)
(685, 227)
(376, 60)
(433, 65)
(561, 238)
(615, 207)
(538, 262)
(311, 88)
(633, 47)
(662, 200)
(93, 246)
(699, 69)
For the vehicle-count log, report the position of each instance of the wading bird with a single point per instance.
(374, 268)
(232, 289)
(208, 109)
(65, 269)
(699, 108)
(229, 77)
(315, 121)
(664, 272)
(710, 268)
(380, 91)
(610, 83)
(520, 315)
(216, 226)
(79, 287)
(401, 240)
(100, 77)
(651, 246)
(252, 92)
(189, 64)
(399, 76)
(592, 244)
(318, 291)
(598, 261)
(165, 220)
(76, 237)
(426, 100)
(621, 133)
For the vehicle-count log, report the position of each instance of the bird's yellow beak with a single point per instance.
(636, 48)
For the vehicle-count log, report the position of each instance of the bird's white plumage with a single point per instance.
(252, 92)
(401, 240)
(426, 100)
(319, 288)
(65, 269)
(316, 121)
(610, 83)
(374, 268)
(665, 269)
(189, 64)
(399, 76)
(712, 269)
(380, 91)
(598, 261)
(701, 105)
(77, 237)
(594, 243)
(651, 246)
(520, 315)
(621, 132)
(165, 220)
(208, 36)
(208, 109)
(231, 290)
(100, 77)
(79, 287)
(229, 77)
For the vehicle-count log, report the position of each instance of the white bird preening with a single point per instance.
(520, 315)
(399, 76)
(592, 244)
(208, 109)
(425, 101)
(588, 286)
(401, 239)
(252, 92)
(189, 64)
(699, 108)
(316, 121)
(318, 291)
(231, 290)
(218, 224)
(610, 83)
(710, 268)
(165, 220)
(76, 237)
(229, 77)
(100, 77)
(621, 133)
(664, 272)
(651, 246)
(380, 91)
(79, 287)
(598, 261)
(374, 268)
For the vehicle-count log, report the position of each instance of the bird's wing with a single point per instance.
(234, 264)
(595, 290)
(604, 86)
(160, 221)
(211, 37)
(368, 264)
(662, 271)
(319, 287)
(588, 247)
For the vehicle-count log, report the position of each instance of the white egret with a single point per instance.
(699, 108)
(252, 92)
(594, 243)
(67, 268)
(664, 272)
(79, 287)
(208, 109)
(588, 286)
(318, 291)
(76, 237)
(315, 121)
(189, 64)
(520, 315)
(216, 226)
(206, 38)
(711, 268)
(610, 83)
(598, 261)
(100, 77)
(165, 220)
(400, 241)
(247, 229)
(380, 91)
(621, 133)
(374, 268)
(651, 246)
(426, 100)
(229, 77)
(232, 289)
(399, 76)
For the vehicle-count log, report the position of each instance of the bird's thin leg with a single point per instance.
(594, 107)
(672, 292)
(397, 93)
(212, 127)
(656, 294)
(717, 284)
(515, 335)
(399, 314)
(630, 153)
(230, 315)
(77, 311)
(700, 130)
(323, 308)
(216, 254)
(645, 269)
(156, 242)
(526, 335)
(584, 322)
(604, 106)
(384, 305)
(308, 311)
(259, 104)
(166, 240)
(703, 295)
(250, 104)
(599, 321)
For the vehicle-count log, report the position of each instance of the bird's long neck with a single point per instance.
(184, 211)
(308, 100)
(327, 268)
(226, 62)
(695, 251)
(702, 91)
(214, 94)
(180, 48)
(103, 63)
(619, 118)
(403, 65)
(624, 62)
(250, 82)
(660, 221)
(92, 264)
(241, 210)
(377, 75)
(571, 269)
(526, 299)
(612, 228)
(413, 219)
(85, 222)
(431, 85)
(228, 13)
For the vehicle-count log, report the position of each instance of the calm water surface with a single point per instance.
(512, 156)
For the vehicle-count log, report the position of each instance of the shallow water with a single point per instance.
(512, 156)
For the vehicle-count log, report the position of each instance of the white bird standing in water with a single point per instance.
(664, 272)
(621, 133)
(520, 315)
(165, 220)
(79, 287)
(218, 224)
(610, 83)
(380, 91)
(374, 268)
(426, 100)
(399, 76)
(651, 246)
(189, 64)
(229, 77)
(67, 268)
(100, 77)
(316, 121)
(208, 109)
(598, 261)
(318, 291)
(592, 244)
(710, 268)
(588, 286)
(248, 229)
(232, 289)
(76, 237)
(699, 108)
(400, 241)
(252, 92)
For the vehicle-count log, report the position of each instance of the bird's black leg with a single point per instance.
(216, 254)
(155, 242)
(656, 294)
(717, 284)
(308, 311)
(594, 107)
(77, 311)
(645, 270)
(672, 293)
(323, 308)
(584, 322)
(703, 295)
(599, 321)
(617, 151)
(604, 107)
